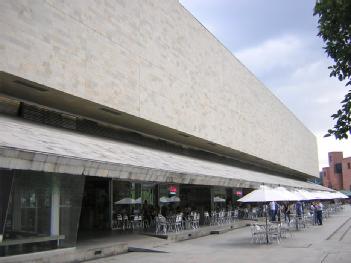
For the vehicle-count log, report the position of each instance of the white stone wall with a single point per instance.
(154, 60)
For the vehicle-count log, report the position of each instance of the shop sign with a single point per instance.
(172, 190)
(238, 193)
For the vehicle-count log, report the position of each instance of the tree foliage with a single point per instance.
(335, 29)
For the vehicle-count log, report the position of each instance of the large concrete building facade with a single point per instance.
(106, 100)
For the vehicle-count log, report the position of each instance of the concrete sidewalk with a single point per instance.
(327, 243)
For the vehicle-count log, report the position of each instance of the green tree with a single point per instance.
(335, 29)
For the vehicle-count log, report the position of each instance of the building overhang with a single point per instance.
(29, 146)
(24, 90)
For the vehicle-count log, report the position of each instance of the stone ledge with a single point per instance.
(68, 255)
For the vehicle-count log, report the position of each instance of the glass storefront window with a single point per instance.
(126, 198)
(219, 195)
(5, 188)
(43, 212)
(169, 190)
(132, 199)
(71, 194)
(237, 194)
(148, 193)
(169, 198)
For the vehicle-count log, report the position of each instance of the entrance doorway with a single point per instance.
(197, 197)
(95, 213)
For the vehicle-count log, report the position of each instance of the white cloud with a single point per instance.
(311, 94)
(272, 54)
(290, 66)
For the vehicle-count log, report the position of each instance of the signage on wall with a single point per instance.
(238, 193)
(172, 190)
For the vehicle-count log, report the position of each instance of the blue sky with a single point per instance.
(277, 40)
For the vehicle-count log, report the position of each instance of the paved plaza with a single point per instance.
(327, 243)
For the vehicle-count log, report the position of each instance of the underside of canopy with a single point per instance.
(29, 146)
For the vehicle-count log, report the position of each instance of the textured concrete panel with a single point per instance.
(154, 60)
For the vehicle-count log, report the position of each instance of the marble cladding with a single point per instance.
(154, 60)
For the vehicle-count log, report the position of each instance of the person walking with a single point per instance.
(313, 212)
(319, 208)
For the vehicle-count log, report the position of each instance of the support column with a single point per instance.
(111, 202)
(211, 196)
(16, 210)
(55, 207)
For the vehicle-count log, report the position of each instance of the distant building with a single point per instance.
(338, 174)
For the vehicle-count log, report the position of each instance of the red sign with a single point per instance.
(172, 189)
(238, 193)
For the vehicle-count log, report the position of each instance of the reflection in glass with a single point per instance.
(219, 198)
(126, 198)
(169, 199)
(5, 187)
(43, 212)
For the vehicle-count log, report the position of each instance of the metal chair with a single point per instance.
(161, 225)
(258, 233)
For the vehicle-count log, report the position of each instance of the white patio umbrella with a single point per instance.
(302, 196)
(320, 195)
(334, 195)
(164, 199)
(217, 199)
(331, 195)
(306, 194)
(173, 199)
(340, 195)
(290, 196)
(125, 201)
(264, 194)
(137, 201)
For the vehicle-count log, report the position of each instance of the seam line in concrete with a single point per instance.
(324, 258)
(332, 234)
(344, 234)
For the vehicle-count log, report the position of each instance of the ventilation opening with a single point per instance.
(53, 118)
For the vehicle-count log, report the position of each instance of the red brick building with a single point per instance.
(338, 174)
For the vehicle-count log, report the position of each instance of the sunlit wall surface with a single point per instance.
(155, 61)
